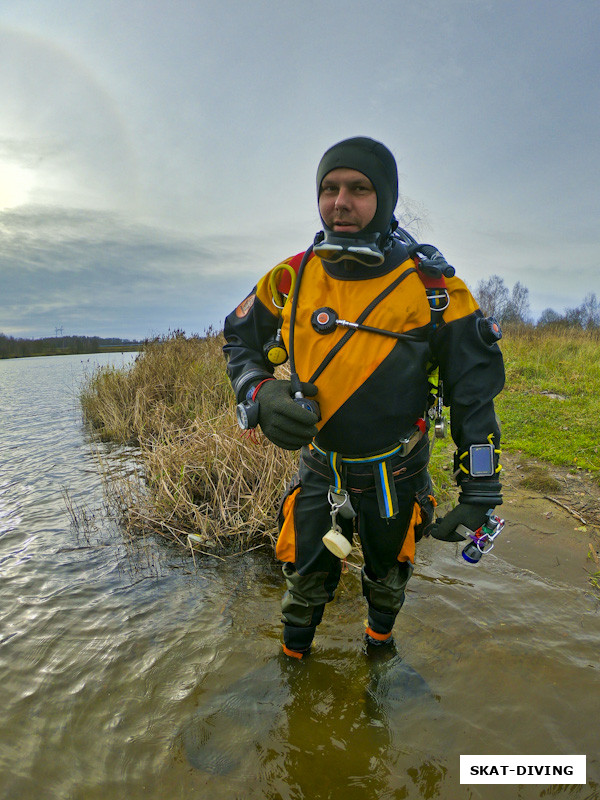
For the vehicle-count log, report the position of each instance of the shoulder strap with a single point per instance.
(437, 295)
(432, 269)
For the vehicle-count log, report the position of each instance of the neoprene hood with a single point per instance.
(375, 161)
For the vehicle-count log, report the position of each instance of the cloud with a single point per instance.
(95, 273)
(60, 120)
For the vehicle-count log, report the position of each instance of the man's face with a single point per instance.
(347, 200)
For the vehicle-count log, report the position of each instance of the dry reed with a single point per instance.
(205, 485)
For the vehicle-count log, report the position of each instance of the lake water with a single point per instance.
(129, 672)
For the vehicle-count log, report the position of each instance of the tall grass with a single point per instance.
(550, 407)
(174, 381)
(200, 476)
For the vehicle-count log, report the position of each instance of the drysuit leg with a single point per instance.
(384, 577)
(303, 604)
(313, 574)
(385, 597)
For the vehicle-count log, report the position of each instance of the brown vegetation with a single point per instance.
(201, 481)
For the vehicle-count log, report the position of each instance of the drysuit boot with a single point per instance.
(379, 628)
(297, 641)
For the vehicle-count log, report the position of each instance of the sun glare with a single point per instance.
(15, 185)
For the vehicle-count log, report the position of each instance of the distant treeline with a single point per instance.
(512, 307)
(494, 297)
(60, 345)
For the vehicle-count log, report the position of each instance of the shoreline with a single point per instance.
(553, 530)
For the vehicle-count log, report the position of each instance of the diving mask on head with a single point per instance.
(335, 247)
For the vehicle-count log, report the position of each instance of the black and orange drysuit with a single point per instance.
(372, 391)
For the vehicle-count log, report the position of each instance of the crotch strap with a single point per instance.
(383, 475)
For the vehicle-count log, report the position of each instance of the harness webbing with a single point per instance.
(383, 475)
(437, 295)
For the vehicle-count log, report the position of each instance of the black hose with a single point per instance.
(294, 379)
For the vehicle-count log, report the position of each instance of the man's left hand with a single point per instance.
(471, 516)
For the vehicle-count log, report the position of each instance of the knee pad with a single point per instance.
(387, 594)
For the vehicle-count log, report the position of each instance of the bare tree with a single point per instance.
(412, 215)
(591, 311)
(586, 316)
(517, 308)
(492, 296)
(550, 317)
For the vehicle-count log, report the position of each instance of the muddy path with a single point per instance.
(553, 519)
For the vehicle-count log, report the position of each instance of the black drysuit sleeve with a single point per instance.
(246, 331)
(473, 374)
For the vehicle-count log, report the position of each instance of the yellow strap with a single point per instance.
(498, 451)
(462, 466)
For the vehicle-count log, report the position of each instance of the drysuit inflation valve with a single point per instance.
(489, 330)
(324, 320)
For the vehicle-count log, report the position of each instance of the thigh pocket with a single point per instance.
(285, 549)
(408, 548)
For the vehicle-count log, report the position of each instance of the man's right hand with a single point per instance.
(282, 420)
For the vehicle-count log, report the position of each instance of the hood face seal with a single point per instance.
(374, 160)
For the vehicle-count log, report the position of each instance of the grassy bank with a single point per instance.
(550, 408)
(202, 477)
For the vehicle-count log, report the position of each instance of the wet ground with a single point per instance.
(497, 658)
(554, 517)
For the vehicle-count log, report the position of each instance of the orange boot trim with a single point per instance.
(380, 637)
(292, 653)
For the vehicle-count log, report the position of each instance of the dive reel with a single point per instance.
(334, 540)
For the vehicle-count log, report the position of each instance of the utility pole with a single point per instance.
(59, 332)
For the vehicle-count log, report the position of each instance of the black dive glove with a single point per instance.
(281, 419)
(476, 499)
(472, 517)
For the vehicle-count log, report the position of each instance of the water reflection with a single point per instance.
(9, 510)
(329, 725)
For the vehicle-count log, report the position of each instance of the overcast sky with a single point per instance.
(158, 156)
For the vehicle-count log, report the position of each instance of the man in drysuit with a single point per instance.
(367, 315)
